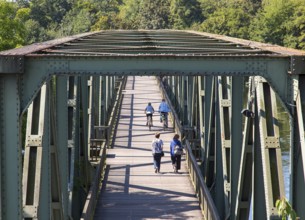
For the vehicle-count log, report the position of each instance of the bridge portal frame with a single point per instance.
(23, 73)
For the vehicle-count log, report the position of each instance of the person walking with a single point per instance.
(176, 150)
(164, 109)
(157, 152)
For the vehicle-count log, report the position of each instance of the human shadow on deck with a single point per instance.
(130, 117)
(123, 200)
(117, 167)
(170, 130)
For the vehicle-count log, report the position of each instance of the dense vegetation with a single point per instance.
(279, 22)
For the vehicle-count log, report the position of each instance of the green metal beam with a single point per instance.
(209, 134)
(244, 188)
(61, 108)
(225, 114)
(39, 70)
(297, 189)
(56, 190)
(270, 147)
(236, 137)
(10, 150)
(219, 171)
(201, 102)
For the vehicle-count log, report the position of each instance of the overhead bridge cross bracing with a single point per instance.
(68, 91)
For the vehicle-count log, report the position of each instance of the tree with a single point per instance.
(233, 22)
(153, 14)
(11, 28)
(75, 22)
(295, 27)
(129, 14)
(184, 13)
(270, 24)
(49, 11)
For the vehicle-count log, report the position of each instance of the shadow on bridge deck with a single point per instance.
(131, 189)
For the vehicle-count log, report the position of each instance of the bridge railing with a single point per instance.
(204, 196)
(205, 199)
(90, 204)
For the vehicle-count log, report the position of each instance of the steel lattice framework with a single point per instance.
(67, 87)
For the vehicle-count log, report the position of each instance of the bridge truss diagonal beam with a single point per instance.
(192, 67)
(298, 151)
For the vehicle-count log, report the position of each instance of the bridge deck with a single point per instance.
(132, 190)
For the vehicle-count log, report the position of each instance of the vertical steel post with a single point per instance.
(237, 136)
(219, 183)
(258, 190)
(103, 100)
(209, 134)
(225, 114)
(84, 92)
(244, 188)
(73, 142)
(61, 108)
(201, 104)
(90, 116)
(10, 150)
(270, 147)
(298, 149)
(56, 190)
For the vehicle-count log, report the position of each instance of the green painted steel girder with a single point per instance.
(178, 54)
(39, 70)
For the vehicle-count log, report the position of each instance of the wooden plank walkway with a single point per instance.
(132, 190)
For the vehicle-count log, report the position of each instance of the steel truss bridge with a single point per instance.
(59, 101)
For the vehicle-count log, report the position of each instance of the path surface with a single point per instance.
(132, 190)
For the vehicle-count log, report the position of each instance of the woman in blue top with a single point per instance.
(176, 158)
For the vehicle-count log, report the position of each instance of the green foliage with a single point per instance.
(269, 25)
(273, 21)
(75, 22)
(46, 11)
(285, 210)
(228, 21)
(153, 14)
(129, 14)
(11, 28)
(184, 13)
(295, 28)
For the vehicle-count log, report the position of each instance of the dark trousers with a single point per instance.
(157, 161)
(147, 115)
(176, 160)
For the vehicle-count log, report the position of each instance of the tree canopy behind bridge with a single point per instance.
(279, 22)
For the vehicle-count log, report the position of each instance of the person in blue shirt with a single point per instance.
(149, 111)
(164, 109)
(175, 145)
(157, 152)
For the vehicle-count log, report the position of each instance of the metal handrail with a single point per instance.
(93, 193)
(91, 199)
(206, 201)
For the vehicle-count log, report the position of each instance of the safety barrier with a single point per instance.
(205, 199)
(107, 140)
